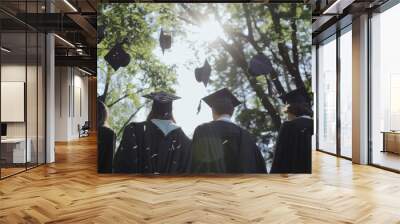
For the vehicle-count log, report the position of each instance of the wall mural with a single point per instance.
(204, 88)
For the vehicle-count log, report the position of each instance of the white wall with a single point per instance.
(71, 94)
(61, 103)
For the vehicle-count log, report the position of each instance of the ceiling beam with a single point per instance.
(89, 30)
(77, 61)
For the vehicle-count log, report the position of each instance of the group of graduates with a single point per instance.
(159, 146)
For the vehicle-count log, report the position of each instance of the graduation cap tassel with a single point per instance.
(199, 107)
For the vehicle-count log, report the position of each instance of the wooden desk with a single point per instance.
(391, 141)
(13, 150)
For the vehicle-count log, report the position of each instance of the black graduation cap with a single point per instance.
(165, 41)
(295, 96)
(100, 33)
(260, 65)
(162, 103)
(221, 96)
(117, 57)
(202, 74)
(161, 97)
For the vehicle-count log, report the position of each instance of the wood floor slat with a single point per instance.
(70, 191)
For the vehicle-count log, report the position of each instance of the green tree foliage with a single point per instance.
(136, 26)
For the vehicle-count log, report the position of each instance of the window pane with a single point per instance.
(346, 94)
(327, 96)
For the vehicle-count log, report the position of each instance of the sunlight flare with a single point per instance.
(210, 30)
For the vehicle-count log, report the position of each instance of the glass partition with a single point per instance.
(22, 88)
(14, 151)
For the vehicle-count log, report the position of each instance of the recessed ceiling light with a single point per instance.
(64, 40)
(84, 71)
(5, 49)
(70, 5)
(338, 6)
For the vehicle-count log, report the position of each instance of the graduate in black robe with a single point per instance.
(156, 145)
(105, 141)
(293, 148)
(221, 146)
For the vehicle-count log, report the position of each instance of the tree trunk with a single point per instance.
(103, 96)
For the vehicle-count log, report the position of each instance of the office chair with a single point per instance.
(84, 130)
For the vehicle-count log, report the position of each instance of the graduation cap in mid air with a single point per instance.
(298, 96)
(260, 65)
(165, 40)
(202, 74)
(220, 97)
(100, 33)
(117, 57)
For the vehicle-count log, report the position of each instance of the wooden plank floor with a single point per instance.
(70, 191)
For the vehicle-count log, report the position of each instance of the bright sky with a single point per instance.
(180, 54)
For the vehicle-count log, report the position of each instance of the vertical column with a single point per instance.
(360, 90)
(50, 92)
(338, 99)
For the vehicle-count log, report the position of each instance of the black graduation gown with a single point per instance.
(145, 149)
(223, 147)
(293, 148)
(105, 149)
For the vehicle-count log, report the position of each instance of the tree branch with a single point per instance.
(250, 35)
(293, 25)
(195, 15)
(123, 97)
(238, 57)
(283, 49)
(274, 74)
(117, 100)
(130, 118)
(103, 96)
